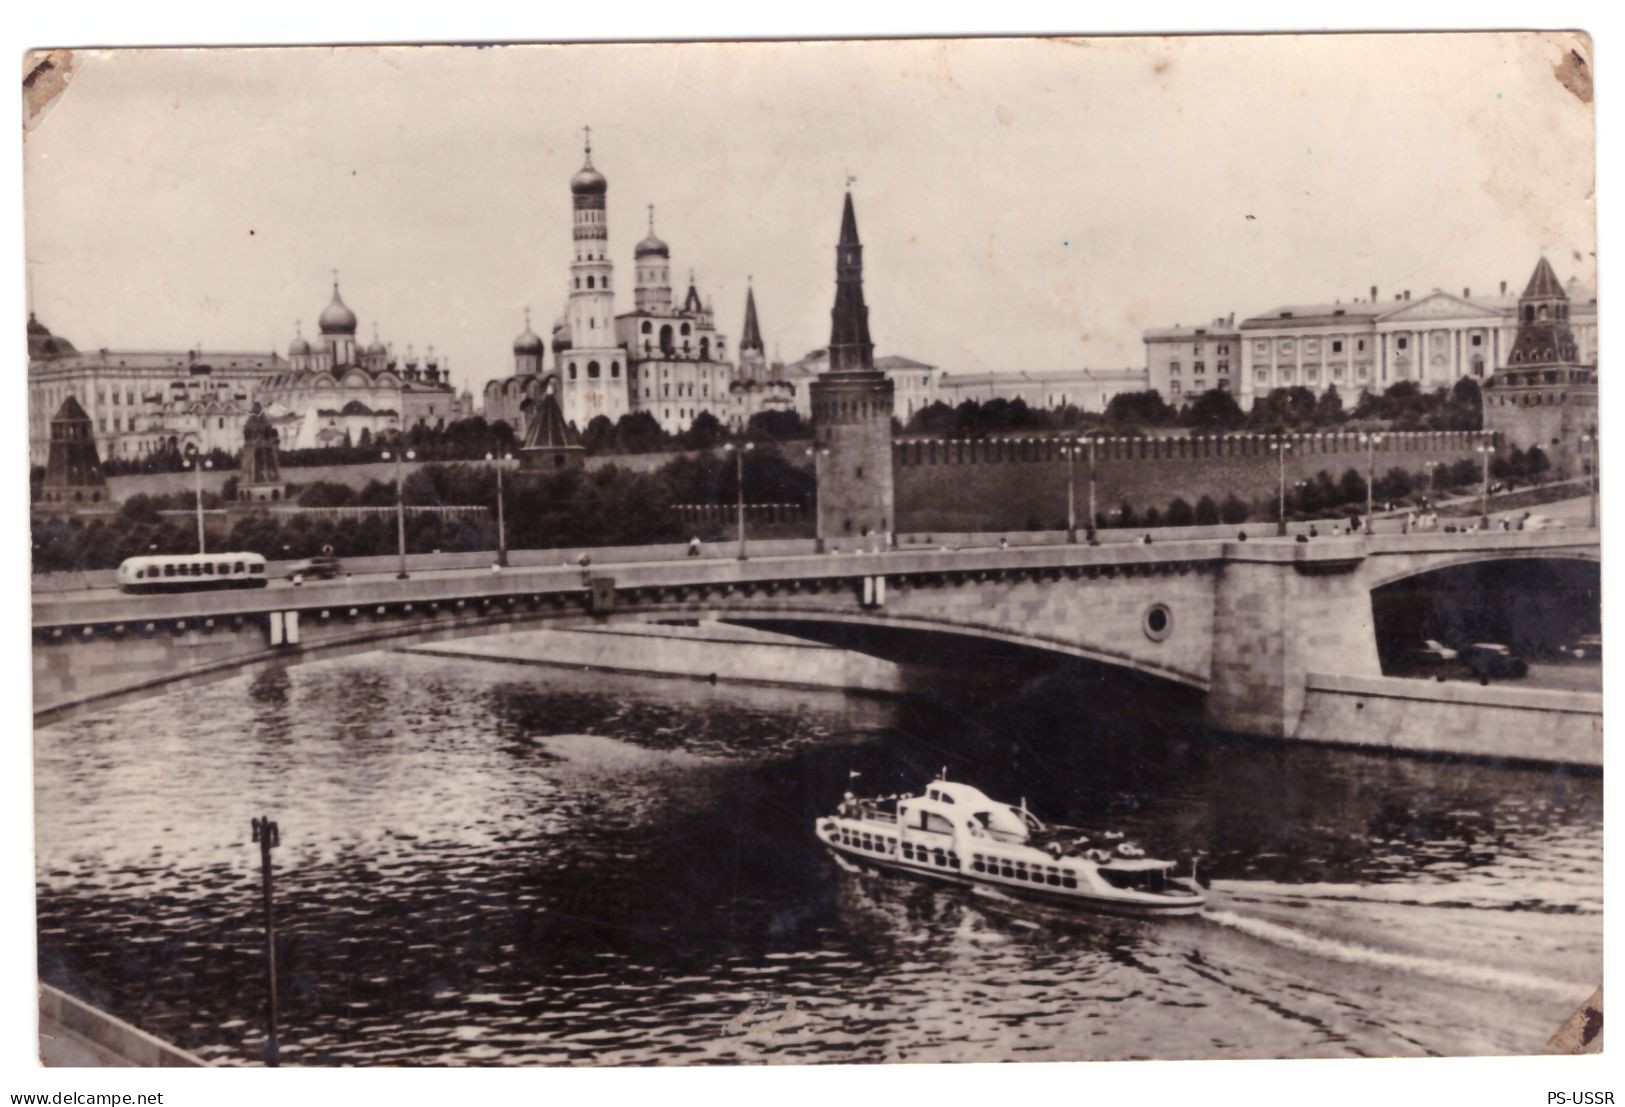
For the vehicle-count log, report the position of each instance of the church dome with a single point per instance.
(376, 347)
(336, 318)
(528, 343)
(298, 347)
(561, 334)
(589, 182)
(652, 246)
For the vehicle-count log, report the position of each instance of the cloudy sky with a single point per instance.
(1025, 204)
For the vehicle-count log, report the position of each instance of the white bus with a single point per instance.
(190, 572)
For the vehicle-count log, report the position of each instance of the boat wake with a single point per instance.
(1353, 953)
(1522, 895)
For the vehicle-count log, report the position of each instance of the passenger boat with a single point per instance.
(953, 832)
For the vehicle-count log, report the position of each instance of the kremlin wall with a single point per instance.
(1017, 483)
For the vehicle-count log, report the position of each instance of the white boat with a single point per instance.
(955, 833)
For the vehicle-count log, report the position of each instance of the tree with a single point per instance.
(776, 426)
(599, 435)
(1329, 408)
(1352, 487)
(1125, 514)
(1233, 510)
(1215, 409)
(1180, 513)
(1207, 512)
(1145, 407)
(326, 493)
(704, 433)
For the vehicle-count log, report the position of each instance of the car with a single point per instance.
(315, 568)
(1492, 659)
(1432, 652)
(1587, 647)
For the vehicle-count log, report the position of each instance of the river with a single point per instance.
(483, 863)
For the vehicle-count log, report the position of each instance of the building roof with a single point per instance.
(1040, 376)
(1543, 283)
(70, 412)
(1299, 315)
(547, 429)
(895, 361)
(752, 338)
(1218, 328)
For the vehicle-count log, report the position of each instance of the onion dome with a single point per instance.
(376, 347)
(561, 335)
(298, 347)
(652, 246)
(529, 342)
(336, 318)
(588, 182)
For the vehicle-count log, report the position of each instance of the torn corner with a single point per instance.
(46, 74)
(1582, 1031)
(1573, 71)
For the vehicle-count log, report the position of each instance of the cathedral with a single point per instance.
(665, 356)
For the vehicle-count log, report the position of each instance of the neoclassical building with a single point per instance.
(1355, 345)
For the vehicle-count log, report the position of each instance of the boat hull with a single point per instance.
(1080, 900)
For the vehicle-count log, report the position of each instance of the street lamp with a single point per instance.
(1591, 438)
(1484, 448)
(197, 465)
(1371, 441)
(1070, 452)
(502, 530)
(1281, 446)
(400, 502)
(739, 450)
(816, 453)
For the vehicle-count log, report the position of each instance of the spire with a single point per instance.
(691, 302)
(752, 336)
(850, 349)
(586, 141)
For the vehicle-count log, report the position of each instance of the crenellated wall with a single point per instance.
(1014, 483)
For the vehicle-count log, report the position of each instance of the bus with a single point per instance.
(191, 572)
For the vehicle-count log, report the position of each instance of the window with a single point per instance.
(1173, 366)
(647, 327)
(1262, 376)
(1173, 388)
(1224, 367)
(1224, 349)
(1199, 368)
(572, 370)
(615, 369)
(1402, 342)
(684, 329)
(1337, 345)
(1478, 340)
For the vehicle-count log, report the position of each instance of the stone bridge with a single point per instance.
(1268, 629)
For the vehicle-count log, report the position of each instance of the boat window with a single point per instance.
(208, 568)
(1006, 871)
(256, 568)
(936, 824)
(953, 859)
(225, 568)
(169, 570)
(1069, 881)
(1053, 878)
(908, 850)
(237, 567)
(978, 864)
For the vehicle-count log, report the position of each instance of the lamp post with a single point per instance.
(1070, 451)
(400, 502)
(1590, 438)
(1281, 446)
(1371, 441)
(502, 529)
(1486, 449)
(817, 453)
(197, 465)
(739, 450)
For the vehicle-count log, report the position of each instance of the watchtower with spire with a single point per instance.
(852, 405)
(1544, 396)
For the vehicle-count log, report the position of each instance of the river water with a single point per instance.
(491, 864)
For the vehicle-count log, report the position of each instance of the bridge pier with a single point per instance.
(1278, 615)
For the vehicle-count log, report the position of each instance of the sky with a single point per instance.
(1024, 204)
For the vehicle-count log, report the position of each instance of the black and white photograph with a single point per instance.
(808, 552)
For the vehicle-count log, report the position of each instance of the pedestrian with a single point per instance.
(1145, 539)
(496, 566)
(694, 546)
(1241, 536)
(1314, 532)
(1004, 543)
